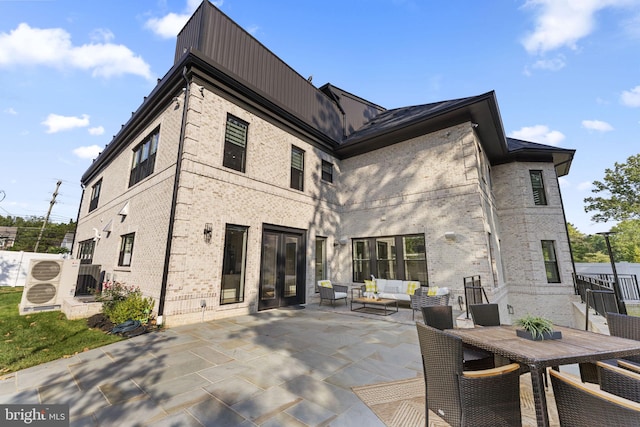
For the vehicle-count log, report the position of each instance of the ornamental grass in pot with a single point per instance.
(536, 328)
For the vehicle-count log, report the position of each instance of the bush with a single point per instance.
(121, 303)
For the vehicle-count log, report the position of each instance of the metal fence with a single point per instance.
(473, 292)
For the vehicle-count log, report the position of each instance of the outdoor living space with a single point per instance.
(317, 365)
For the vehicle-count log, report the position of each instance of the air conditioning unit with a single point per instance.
(48, 282)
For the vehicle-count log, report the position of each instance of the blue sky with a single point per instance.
(566, 73)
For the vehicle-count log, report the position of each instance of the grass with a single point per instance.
(37, 338)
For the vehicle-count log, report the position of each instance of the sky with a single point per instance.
(566, 73)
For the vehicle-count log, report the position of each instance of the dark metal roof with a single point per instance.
(520, 150)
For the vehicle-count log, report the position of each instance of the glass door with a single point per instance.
(282, 269)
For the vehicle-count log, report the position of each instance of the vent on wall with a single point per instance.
(49, 281)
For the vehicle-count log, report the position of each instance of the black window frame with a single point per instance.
(95, 195)
(538, 188)
(124, 239)
(297, 168)
(550, 257)
(327, 171)
(404, 263)
(144, 158)
(86, 249)
(236, 136)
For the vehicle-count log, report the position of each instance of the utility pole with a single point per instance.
(46, 219)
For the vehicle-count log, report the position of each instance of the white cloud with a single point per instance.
(561, 23)
(98, 130)
(10, 111)
(554, 64)
(170, 25)
(56, 123)
(631, 98)
(102, 35)
(585, 185)
(564, 182)
(89, 152)
(538, 133)
(52, 47)
(598, 125)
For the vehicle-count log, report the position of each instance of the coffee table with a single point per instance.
(375, 306)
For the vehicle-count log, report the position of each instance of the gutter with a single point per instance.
(174, 199)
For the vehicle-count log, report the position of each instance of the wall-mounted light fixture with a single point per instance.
(208, 230)
(341, 241)
(450, 235)
(510, 309)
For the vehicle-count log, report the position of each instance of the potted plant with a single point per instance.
(536, 328)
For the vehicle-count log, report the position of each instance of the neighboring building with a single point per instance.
(7, 237)
(237, 184)
(67, 241)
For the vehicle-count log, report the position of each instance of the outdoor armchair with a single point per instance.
(421, 298)
(619, 381)
(485, 314)
(331, 292)
(466, 398)
(441, 317)
(580, 405)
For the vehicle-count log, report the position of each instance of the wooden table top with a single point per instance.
(575, 346)
(382, 301)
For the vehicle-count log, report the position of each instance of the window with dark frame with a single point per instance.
(321, 260)
(85, 251)
(297, 168)
(550, 261)
(537, 185)
(144, 158)
(95, 195)
(235, 144)
(381, 256)
(327, 171)
(126, 250)
(234, 264)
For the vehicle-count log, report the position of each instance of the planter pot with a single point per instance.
(555, 335)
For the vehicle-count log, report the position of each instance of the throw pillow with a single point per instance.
(326, 284)
(433, 291)
(370, 286)
(411, 287)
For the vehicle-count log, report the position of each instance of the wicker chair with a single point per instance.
(619, 381)
(473, 398)
(620, 325)
(420, 299)
(579, 405)
(332, 292)
(441, 317)
(485, 314)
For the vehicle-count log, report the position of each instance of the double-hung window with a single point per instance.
(537, 186)
(126, 250)
(235, 144)
(550, 261)
(327, 171)
(85, 251)
(297, 168)
(144, 158)
(95, 195)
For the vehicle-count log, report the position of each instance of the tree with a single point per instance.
(625, 244)
(621, 193)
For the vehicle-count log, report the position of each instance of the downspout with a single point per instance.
(174, 199)
(75, 234)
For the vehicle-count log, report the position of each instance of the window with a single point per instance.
(95, 195)
(550, 261)
(85, 251)
(537, 185)
(327, 171)
(126, 250)
(297, 168)
(381, 256)
(233, 264)
(144, 158)
(235, 144)
(321, 259)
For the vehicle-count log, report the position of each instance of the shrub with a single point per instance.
(121, 303)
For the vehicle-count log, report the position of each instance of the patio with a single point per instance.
(283, 367)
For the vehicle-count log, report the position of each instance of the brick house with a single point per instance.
(237, 184)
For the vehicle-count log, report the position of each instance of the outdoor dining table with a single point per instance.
(575, 346)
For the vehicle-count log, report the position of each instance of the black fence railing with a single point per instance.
(473, 292)
(629, 288)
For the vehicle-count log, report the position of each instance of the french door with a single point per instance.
(282, 268)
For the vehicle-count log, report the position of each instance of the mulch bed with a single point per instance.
(101, 322)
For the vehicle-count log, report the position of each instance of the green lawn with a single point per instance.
(41, 337)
